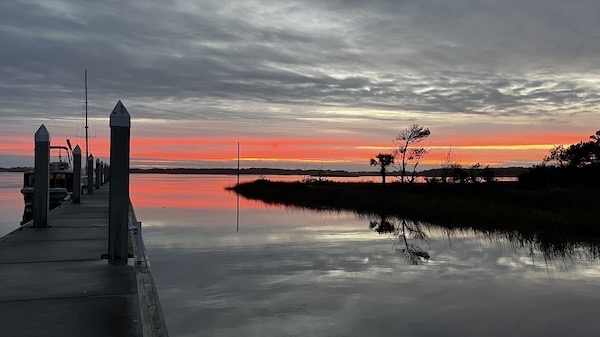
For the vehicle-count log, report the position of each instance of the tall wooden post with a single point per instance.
(101, 173)
(41, 182)
(118, 209)
(90, 174)
(77, 175)
(97, 182)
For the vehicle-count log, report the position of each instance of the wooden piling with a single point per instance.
(77, 175)
(120, 125)
(97, 182)
(90, 174)
(101, 173)
(41, 183)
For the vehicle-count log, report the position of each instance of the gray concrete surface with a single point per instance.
(53, 281)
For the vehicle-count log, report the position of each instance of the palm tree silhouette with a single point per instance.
(383, 160)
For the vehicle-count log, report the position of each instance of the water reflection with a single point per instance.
(413, 240)
(300, 272)
(11, 201)
(410, 237)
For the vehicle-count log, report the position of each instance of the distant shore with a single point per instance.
(499, 172)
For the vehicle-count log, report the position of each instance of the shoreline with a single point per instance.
(507, 172)
(548, 215)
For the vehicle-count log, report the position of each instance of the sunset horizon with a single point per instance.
(518, 150)
(301, 84)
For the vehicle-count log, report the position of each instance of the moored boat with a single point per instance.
(61, 174)
(61, 184)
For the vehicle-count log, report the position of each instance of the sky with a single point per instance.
(301, 84)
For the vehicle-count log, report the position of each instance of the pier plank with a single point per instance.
(53, 281)
(71, 317)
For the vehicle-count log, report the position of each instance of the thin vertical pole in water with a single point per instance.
(77, 175)
(41, 182)
(238, 170)
(118, 204)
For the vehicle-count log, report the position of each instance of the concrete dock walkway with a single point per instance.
(53, 281)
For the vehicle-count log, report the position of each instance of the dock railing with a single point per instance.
(153, 322)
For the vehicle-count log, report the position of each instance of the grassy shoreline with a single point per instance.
(550, 215)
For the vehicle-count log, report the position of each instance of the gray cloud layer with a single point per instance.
(207, 60)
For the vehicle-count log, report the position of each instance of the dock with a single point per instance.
(56, 281)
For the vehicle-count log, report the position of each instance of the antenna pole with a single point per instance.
(237, 226)
(86, 117)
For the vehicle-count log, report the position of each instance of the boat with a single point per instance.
(61, 183)
(61, 174)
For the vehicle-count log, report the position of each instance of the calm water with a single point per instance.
(11, 202)
(290, 272)
(293, 272)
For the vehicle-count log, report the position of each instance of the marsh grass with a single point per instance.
(549, 215)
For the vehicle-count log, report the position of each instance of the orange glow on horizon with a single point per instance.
(506, 139)
(494, 149)
(24, 146)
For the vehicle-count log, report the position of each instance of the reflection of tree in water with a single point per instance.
(550, 248)
(409, 233)
(554, 253)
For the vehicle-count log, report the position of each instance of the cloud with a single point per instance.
(383, 54)
(312, 61)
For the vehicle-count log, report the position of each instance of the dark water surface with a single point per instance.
(11, 201)
(293, 272)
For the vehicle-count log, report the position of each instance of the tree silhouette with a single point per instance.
(556, 156)
(409, 234)
(573, 165)
(405, 141)
(487, 174)
(383, 160)
(576, 155)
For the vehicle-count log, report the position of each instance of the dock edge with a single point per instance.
(152, 319)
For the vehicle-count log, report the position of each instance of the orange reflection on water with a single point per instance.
(186, 192)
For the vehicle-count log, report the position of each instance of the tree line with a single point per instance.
(564, 165)
(575, 165)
